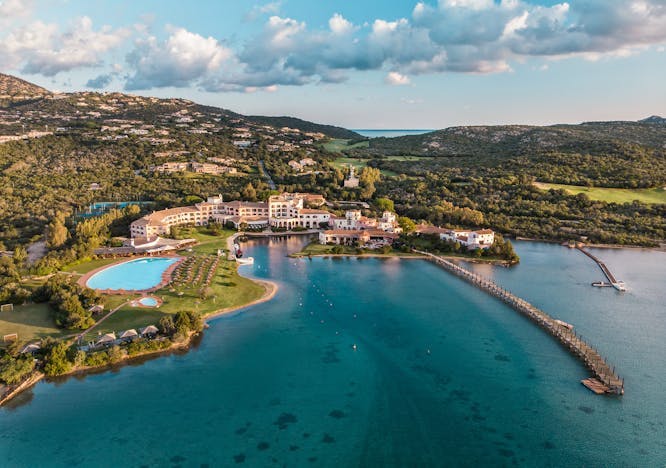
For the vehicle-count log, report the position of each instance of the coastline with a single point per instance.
(404, 257)
(660, 248)
(270, 290)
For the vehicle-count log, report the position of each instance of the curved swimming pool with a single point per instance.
(135, 275)
(148, 301)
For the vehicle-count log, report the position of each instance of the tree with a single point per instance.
(385, 204)
(166, 325)
(57, 233)
(20, 256)
(14, 370)
(56, 360)
(406, 224)
(249, 192)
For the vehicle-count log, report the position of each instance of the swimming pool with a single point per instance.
(136, 275)
(148, 301)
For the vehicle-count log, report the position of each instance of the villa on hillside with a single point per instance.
(481, 239)
(351, 181)
(287, 210)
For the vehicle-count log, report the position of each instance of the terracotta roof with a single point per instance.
(380, 233)
(485, 231)
(427, 229)
(311, 211)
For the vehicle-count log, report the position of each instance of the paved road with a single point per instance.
(83, 333)
(267, 176)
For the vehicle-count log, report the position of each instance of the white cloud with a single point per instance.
(339, 25)
(42, 48)
(179, 60)
(15, 8)
(440, 36)
(396, 79)
(264, 9)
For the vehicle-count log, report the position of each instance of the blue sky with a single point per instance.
(359, 64)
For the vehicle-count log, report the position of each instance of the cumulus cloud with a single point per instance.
(41, 48)
(10, 9)
(181, 59)
(263, 9)
(456, 36)
(339, 25)
(396, 79)
(100, 81)
(443, 36)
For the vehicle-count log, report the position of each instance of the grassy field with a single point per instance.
(611, 195)
(89, 265)
(342, 163)
(31, 321)
(359, 164)
(337, 145)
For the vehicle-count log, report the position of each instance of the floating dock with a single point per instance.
(562, 331)
(619, 285)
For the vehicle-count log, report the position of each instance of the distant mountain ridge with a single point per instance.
(523, 139)
(17, 92)
(654, 119)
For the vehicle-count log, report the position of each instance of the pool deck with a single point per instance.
(166, 276)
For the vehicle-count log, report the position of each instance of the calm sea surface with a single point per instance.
(440, 375)
(390, 133)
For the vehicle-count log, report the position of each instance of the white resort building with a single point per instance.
(287, 210)
(481, 239)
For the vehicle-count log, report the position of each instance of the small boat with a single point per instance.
(245, 261)
(601, 284)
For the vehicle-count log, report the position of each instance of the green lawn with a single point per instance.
(337, 145)
(31, 321)
(359, 164)
(611, 195)
(87, 266)
(124, 319)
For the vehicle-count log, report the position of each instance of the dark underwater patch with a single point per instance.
(284, 420)
(337, 414)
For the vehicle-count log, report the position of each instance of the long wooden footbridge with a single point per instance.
(605, 379)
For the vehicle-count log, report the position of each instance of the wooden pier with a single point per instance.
(619, 285)
(609, 381)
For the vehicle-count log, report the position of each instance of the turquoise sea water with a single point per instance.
(136, 275)
(441, 375)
